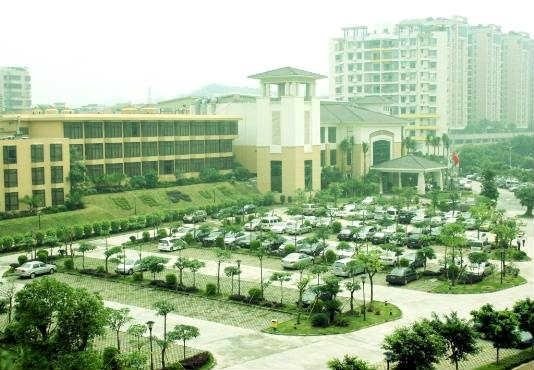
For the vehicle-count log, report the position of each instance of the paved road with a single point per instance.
(237, 348)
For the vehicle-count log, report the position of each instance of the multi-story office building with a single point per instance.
(15, 89)
(485, 66)
(37, 149)
(419, 65)
(517, 69)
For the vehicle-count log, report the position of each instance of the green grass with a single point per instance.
(489, 284)
(290, 327)
(511, 362)
(104, 207)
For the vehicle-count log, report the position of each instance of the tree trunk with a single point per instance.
(163, 358)
(261, 277)
(165, 327)
(118, 342)
(184, 349)
(497, 354)
(352, 301)
(218, 277)
(181, 280)
(528, 213)
(372, 287)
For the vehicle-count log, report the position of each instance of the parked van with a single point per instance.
(340, 268)
(267, 222)
(170, 244)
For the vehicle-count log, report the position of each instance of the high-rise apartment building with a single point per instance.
(15, 89)
(419, 65)
(485, 66)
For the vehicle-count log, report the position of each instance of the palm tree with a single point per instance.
(365, 149)
(32, 201)
(428, 141)
(163, 308)
(344, 147)
(435, 143)
(446, 143)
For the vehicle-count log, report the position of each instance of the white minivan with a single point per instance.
(268, 222)
(339, 268)
(170, 244)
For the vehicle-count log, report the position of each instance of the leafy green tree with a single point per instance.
(481, 212)
(503, 330)
(194, 266)
(154, 264)
(221, 255)
(318, 270)
(181, 264)
(108, 253)
(163, 308)
(231, 272)
(426, 253)
(185, 333)
(415, 347)
(524, 309)
(281, 277)
(483, 319)
(259, 250)
(137, 331)
(489, 187)
(349, 363)
(327, 293)
(459, 334)
(83, 248)
(7, 295)
(365, 150)
(135, 360)
(372, 264)
(526, 197)
(116, 319)
(453, 237)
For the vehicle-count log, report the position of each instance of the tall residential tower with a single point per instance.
(15, 89)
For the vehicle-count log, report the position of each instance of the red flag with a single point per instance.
(455, 159)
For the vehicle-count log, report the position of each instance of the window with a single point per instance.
(56, 152)
(113, 129)
(11, 201)
(276, 176)
(94, 170)
(10, 178)
(225, 146)
(322, 134)
(150, 167)
(149, 149)
(332, 135)
(212, 146)
(276, 136)
(181, 165)
(114, 168)
(56, 174)
(73, 130)
(166, 167)
(76, 151)
(131, 129)
(333, 157)
(58, 196)
(165, 129)
(215, 128)
(94, 151)
(197, 147)
(113, 150)
(196, 164)
(166, 148)
(39, 197)
(132, 169)
(307, 128)
(181, 128)
(38, 176)
(132, 150)
(381, 151)
(308, 175)
(198, 128)
(10, 154)
(37, 153)
(181, 147)
(349, 157)
(149, 129)
(323, 158)
(92, 130)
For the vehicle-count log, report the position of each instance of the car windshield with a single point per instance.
(130, 262)
(27, 265)
(398, 271)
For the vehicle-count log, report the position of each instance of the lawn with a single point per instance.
(387, 312)
(490, 284)
(120, 205)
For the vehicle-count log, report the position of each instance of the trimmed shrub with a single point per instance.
(330, 256)
(211, 289)
(42, 255)
(68, 264)
(336, 227)
(196, 361)
(110, 359)
(146, 236)
(254, 295)
(100, 269)
(22, 259)
(341, 321)
(87, 230)
(170, 280)
(162, 233)
(137, 277)
(282, 199)
(319, 320)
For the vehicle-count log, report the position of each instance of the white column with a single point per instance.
(400, 180)
(380, 184)
(438, 178)
(421, 183)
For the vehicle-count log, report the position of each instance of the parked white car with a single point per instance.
(253, 225)
(279, 228)
(293, 259)
(171, 243)
(339, 268)
(128, 266)
(34, 268)
(182, 231)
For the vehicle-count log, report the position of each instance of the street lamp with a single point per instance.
(150, 325)
(363, 295)
(239, 278)
(389, 357)
(39, 218)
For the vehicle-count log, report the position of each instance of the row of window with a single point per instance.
(89, 130)
(277, 176)
(332, 134)
(38, 176)
(36, 153)
(12, 202)
(149, 149)
(164, 167)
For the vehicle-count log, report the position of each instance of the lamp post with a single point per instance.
(239, 277)
(363, 295)
(39, 218)
(389, 357)
(150, 325)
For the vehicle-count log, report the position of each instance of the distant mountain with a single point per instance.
(216, 90)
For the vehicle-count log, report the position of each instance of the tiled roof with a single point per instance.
(410, 162)
(333, 112)
(287, 72)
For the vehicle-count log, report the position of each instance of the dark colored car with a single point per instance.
(311, 249)
(211, 239)
(345, 234)
(379, 238)
(401, 276)
(405, 217)
(415, 241)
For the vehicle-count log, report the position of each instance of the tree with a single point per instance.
(524, 309)
(181, 264)
(318, 269)
(426, 253)
(489, 188)
(133, 360)
(365, 149)
(344, 146)
(459, 335)
(453, 236)
(154, 264)
(483, 319)
(260, 252)
(281, 277)
(7, 294)
(163, 308)
(194, 266)
(446, 143)
(137, 331)
(372, 264)
(185, 333)
(526, 197)
(503, 330)
(327, 293)
(302, 285)
(231, 272)
(117, 318)
(428, 142)
(415, 347)
(349, 363)
(83, 248)
(481, 212)
(32, 201)
(505, 230)
(108, 253)
(435, 143)
(221, 255)
(352, 287)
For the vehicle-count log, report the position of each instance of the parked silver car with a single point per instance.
(34, 268)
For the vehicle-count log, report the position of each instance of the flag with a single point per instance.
(455, 159)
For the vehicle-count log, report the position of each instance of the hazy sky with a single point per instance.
(97, 51)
